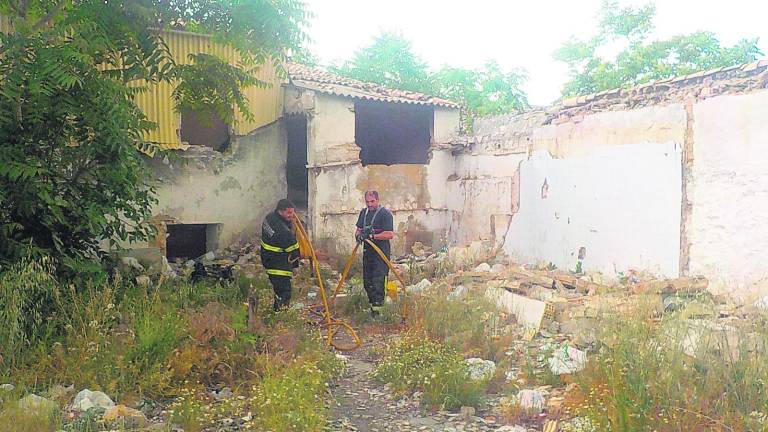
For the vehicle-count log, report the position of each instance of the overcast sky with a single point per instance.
(513, 32)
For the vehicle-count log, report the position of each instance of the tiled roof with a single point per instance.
(330, 83)
(747, 68)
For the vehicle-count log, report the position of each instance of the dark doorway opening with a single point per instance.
(393, 133)
(296, 167)
(190, 241)
(207, 129)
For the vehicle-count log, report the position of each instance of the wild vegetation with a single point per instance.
(146, 344)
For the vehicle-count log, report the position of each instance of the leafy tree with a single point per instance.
(70, 170)
(483, 92)
(389, 61)
(642, 60)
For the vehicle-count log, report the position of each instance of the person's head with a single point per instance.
(372, 199)
(286, 209)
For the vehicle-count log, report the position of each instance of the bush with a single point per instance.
(437, 370)
(26, 304)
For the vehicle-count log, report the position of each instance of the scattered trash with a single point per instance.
(567, 360)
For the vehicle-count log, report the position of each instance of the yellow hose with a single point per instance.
(334, 325)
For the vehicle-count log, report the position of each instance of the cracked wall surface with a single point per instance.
(235, 189)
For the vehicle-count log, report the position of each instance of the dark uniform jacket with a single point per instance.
(279, 249)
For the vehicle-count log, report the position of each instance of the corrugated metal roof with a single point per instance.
(330, 83)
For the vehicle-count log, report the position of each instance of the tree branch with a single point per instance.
(22, 12)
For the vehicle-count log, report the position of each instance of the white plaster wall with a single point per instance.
(446, 125)
(418, 192)
(728, 229)
(622, 203)
(580, 135)
(332, 130)
(237, 193)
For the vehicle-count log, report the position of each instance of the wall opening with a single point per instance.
(190, 241)
(207, 129)
(296, 166)
(393, 133)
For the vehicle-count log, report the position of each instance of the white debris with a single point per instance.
(508, 428)
(131, 262)
(459, 293)
(567, 360)
(480, 369)
(483, 268)
(531, 401)
(87, 399)
(419, 287)
(37, 404)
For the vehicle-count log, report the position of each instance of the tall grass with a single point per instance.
(673, 374)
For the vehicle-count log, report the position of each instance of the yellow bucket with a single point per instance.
(392, 290)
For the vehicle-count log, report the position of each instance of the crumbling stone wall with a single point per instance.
(688, 150)
(236, 188)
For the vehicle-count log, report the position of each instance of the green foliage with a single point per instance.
(26, 298)
(390, 61)
(485, 91)
(462, 324)
(417, 364)
(641, 59)
(70, 172)
(289, 398)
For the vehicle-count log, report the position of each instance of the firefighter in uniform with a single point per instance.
(280, 251)
(374, 223)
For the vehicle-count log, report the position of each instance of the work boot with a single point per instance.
(376, 311)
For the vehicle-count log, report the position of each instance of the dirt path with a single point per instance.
(361, 404)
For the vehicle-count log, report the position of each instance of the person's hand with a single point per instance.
(359, 238)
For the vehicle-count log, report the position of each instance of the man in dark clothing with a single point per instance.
(280, 251)
(374, 223)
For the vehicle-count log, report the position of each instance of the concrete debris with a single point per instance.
(672, 286)
(531, 401)
(87, 399)
(419, 287)
(479, 369)
(483, 268)
(567, 360)
(508, 428)
(703, 336)
(460, 293)
(7, 387)
(37, 404)
(762, 304)
(131, 263)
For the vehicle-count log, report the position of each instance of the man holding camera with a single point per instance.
(374, 223)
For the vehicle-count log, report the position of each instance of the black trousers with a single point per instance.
(375, 273)
(281, 285)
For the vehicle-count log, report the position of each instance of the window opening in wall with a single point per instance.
(190, 241)
(393, 133)
(296, 166)
(204, 129)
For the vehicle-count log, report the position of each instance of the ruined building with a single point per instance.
(667, 177)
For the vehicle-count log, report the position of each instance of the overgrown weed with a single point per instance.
(438, 370)
(671, 374)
